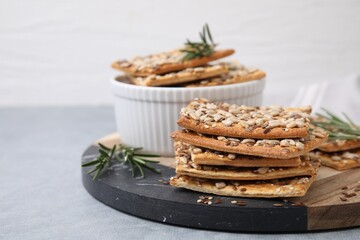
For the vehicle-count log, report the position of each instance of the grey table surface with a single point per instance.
(41, 195)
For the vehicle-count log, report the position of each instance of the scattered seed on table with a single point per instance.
(343, 199)
(241, 203)
(278, 205)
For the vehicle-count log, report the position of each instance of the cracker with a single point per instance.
(165, 62)
(235, 173)
(204, 156)
(186, 75)
(340, 160)
(223, 119)
(340, 145)
(292, 187)
(238, 73)
(209, 158)
(261, 148)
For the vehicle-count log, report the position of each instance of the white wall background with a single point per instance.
(59, 52)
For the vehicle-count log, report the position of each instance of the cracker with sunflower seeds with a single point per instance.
(290, 187)
(224, 119)
(340, 161)
(238, 73)
(204, 156)
(186, 75)
(189, 168)
(271, 148)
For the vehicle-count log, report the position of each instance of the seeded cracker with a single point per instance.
(223, 119)
(165, 62)
(270, 148)
(339, 145)
(186, 166)
(230, 150)
(238, 73)
(340, 160)
(292, 187)
(186, 75)
(204, 156)
(232, 173)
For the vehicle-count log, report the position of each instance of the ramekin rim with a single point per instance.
(116, 83)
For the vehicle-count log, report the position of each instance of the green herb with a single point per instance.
(204, 48)
(124, 154)
(337, 127)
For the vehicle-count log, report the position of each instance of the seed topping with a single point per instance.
(249, 117)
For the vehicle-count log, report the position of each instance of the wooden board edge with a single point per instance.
(334, 217)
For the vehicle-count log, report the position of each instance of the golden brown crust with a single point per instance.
(225, 173)
(215, 158)
(342, 162)
(131, 68)
(187, 75)
(262, 151)
(306, 109)
(239, 131)
(293, 187)
(266, 122)
(339, 145)
(208, 158)
(258, 75)
(237, 74)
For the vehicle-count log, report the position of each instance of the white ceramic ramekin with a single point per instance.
(145, 116)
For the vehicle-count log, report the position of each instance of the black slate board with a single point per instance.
(148, 198)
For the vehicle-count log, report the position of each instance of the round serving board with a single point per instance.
(152, 198)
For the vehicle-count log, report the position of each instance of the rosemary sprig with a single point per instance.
(123, 154)
(337, 127)
(204, 48)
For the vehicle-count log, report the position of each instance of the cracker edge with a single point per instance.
(172, 67)
(272, 152)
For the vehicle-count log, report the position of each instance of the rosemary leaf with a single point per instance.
(152, 169)
(90, 163)
(350, 121)
(95, 169)
(98, 172)
(132, 169)
(337, 127)
(149, 161)
(139, 160)
(123, 154)
(190, 55)
(103, 147)
(204, 48)
(147, 155)
(209, 34)
(140, 168)
(103, 152)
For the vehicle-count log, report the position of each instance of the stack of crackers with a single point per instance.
(339, 154)
(244, 151)
(169, 69)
